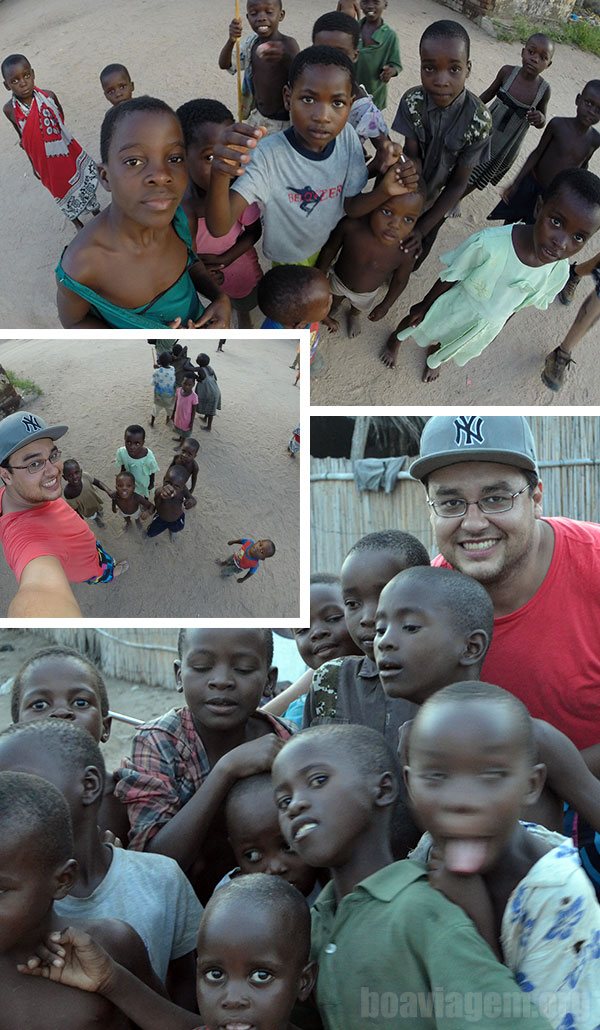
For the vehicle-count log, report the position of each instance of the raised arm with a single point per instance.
(332, 248)
(281, 703)
(235, 33)
(44, 592)
(231, 155)
(402, 177)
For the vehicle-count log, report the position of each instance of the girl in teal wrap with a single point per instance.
(133, 267)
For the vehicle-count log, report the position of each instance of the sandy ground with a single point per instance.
(247, 485)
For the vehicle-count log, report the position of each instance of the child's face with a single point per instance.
(319, 104)
(248, 973)
(373, 9)
(563, 226)
(187, 386)
(189, 452)
(199, 154)
(339, 41)
(146, 171)
(72, 473)
(27, 890)
(20, 80)
(395, 219)
(258, 844)
(264, 16)
(134, 444)
(417, 646)
(364, 575)
(326, 637)
(444, 69)
(536, 55)
(125, 486)
(61, 687)
(117, 87)
(588, 106)
(224, 674)
(261, 549)
(469, 777)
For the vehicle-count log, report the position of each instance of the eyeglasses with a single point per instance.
(456, 507)
(39, 463)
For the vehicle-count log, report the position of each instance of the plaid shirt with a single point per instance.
(168, 765)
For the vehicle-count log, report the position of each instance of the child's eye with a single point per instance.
(339, 103)
(132, 162)
(282, 803)
(81, 702)
(386, 211)
(433, 777)
(261, 976)
(411, 627)
(494, 774)
(307, 100)
(334, 618)
(177, 159)
(214, 976)
(254, 855)
(556, 221)
(579, 238)
(318, 781)
(352, 605)
(409, 219)
(39, 705)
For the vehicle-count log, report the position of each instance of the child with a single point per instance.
(171, 502)
(250, 970)
(265, 57)
(36, 869)
(566, 143)
(57, 160)
(163, 381)
(335, 788)
(378, 51)
(184, 411)
(295, 297)
(371, 256)
(247, 558)
(446, 128)
(135, 457)
(520, 98)
(180, 362)
(79, 493)
(207, 391)
(559, 359)
(131, 504)
(232, 259)
(109, 881)
(293, 447)
(516, 885)
(499, 271)
(116, 84)
(186, 457)
(304, 178)
(184, 763)
(134, 266)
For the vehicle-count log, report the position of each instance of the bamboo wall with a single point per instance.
(137, 655)
(340, 514)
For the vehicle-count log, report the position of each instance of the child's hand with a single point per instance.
(217, 315)
(235, 29)
(190, 503)
(387, 73)
(175, 324)
(386, 155)
(72, 958)
(234, 151)
(535, 117)
(272, 51)
(412, 244)
(108, 837)
(257, 756)
(392, 182)
(378, 312)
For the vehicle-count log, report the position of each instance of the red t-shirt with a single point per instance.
(547, 653)
(50, 528)
(241, 558)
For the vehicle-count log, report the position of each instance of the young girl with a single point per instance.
(496, 272)
(184, 411)
(230, 259)
(521, 99)
(163, 381)
(207, 389)
(138, 459)
(134, 266)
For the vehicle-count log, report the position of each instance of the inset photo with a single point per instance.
(149, 479)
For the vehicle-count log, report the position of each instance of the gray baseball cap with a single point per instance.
(449, 439)
(23, 427)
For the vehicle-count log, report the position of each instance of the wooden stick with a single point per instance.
(238, 67)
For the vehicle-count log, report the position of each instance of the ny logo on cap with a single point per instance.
(31, 423)
(468, 430)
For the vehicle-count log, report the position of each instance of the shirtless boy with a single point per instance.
(186, 457)
(127, 501)
(171, 501)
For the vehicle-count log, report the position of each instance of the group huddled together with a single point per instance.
(193, 191)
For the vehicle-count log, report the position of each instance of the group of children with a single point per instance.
(399, 733)
(199, 190)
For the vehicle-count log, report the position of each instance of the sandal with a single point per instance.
(556, 364)
(568, 291)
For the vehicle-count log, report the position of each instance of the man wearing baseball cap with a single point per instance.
(543, 574)
(45, 542)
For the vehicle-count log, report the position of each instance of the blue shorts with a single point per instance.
(159, 525)
(107, 566)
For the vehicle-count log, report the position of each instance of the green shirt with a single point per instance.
(397, 953)
(382, 50)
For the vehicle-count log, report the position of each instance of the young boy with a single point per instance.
(445, 126)
(164, 384)
(265, 57)
(186, 457)
(390, 951)
(370, 256)
(126, 500)
(36, 869)
(79, 493)
(246, 558)
(138, 459)
(116, 84)
(184, 763)
(109, 881)
(184, 409)
(566, 143)
(57, 160)
(171, 501)
(378, 51)
(295, 297)
(251, 971)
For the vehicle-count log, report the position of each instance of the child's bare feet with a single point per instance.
(389, 351)
(127, 523)
(430, 374)
(120, 568)
(331, 324)
(354, 325)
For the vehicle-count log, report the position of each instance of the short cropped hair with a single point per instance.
(196, 113)
(164, 359)
(445, 29)
(464, 600)
(274, 896)
(325, 577)
(134, 430)
(56, 651)
(322, 55)
(11, 60)
(337, 21)
(31, 805)
(71, 746)
(125, 473)
(267, 636)
(116, 114)
(403, 545)
(580, 181)
(70, 463)
(247, 788)
(114, 69)
(592, 84)
(273, 548)
(369, 749)
(281, 292)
